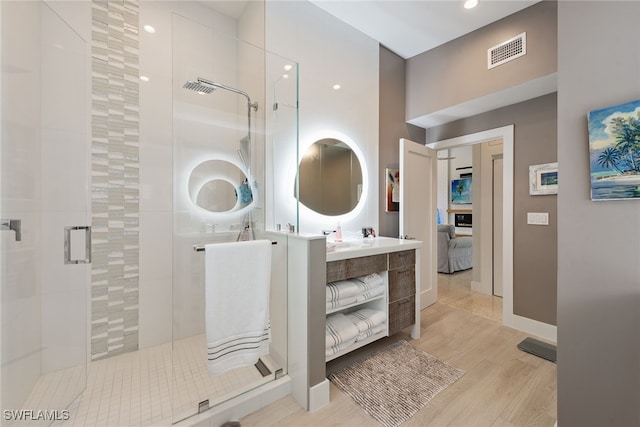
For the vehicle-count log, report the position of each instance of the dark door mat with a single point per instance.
(538, 348)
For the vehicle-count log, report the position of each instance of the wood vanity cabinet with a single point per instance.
(354, 267)
(398, 270)
(402, 290)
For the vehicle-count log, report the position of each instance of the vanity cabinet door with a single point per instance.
(402, 282)
(402, 313)
(402, 259)
(402, 290)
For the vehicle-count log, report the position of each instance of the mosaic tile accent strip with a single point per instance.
(115, 177)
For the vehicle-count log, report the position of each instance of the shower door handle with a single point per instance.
(77, 245)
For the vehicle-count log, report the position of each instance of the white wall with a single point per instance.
(328, 52)
(20, 271)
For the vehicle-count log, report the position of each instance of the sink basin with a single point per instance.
(349, 244)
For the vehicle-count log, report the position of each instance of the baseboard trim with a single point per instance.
(319, 395)
(541, 330)
(477, 287)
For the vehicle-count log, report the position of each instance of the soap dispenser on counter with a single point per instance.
(338, 237)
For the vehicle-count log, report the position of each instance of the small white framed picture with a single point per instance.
(543, 179)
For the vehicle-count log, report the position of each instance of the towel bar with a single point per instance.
(197, 248)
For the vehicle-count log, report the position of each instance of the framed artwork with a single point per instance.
(393, 190)
(614, 152)
(543, 179)
(461, 191)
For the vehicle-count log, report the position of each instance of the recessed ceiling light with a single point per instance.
(149, 29)
(336, 87)
(470, 4)
(144, 78)
(287, 67)
(285, 76)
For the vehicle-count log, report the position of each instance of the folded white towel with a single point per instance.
(342, 302)
(341, 289)
(330, 351)
(237, 278)
(367, 318)
(371, 332)
(339, 329)
(373, 279)
(378, 290)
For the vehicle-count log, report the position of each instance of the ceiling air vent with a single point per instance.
(507, 51)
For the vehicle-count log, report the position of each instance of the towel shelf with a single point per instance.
(197, 248)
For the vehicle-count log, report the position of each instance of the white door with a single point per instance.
(418, 211)
(497, 226)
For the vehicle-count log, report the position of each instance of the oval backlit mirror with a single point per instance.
(219, 186)
(330, 177)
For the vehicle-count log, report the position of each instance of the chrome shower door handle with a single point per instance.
(77, 245)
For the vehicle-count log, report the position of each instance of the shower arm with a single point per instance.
(231, 89)
(250, 106)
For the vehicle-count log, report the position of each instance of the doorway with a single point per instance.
(481, 164)
(505, 134)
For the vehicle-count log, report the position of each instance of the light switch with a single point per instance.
(538, 218)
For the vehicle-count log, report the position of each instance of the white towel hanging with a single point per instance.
(237, 279)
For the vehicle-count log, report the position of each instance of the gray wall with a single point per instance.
(392, 127)
(598, 242)
(457, 72)
(535, 247)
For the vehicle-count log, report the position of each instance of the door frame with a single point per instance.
(509, 318)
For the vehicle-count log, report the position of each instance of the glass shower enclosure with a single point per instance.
(226, 123)
(44, 211)
(233, 108)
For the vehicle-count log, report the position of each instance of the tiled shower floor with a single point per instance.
(135, 389)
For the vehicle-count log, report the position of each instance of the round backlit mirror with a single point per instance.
(330, 177)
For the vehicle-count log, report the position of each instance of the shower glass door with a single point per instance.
(44, 207)
(223, 138)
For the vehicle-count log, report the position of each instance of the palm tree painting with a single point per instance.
(461, 191)
(614, 147)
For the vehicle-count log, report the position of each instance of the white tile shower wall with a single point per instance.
(115, 177)
(156, 176)
(329, 52)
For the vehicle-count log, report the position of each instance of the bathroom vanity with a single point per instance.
(310, 267)
(396, 262)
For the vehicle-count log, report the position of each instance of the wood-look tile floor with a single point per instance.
(502, 386)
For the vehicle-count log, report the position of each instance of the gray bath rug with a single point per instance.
(395, 383)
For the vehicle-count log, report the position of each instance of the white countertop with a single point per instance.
(366, 247)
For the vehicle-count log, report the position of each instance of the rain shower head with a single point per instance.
(205, 86)
(201, 86)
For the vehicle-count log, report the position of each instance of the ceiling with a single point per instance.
(410, 27)
(407, 27)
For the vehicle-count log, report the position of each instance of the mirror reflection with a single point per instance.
(217, 195)
(219, 186)
(330, 177)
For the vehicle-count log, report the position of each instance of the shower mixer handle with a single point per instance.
(13, 225)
